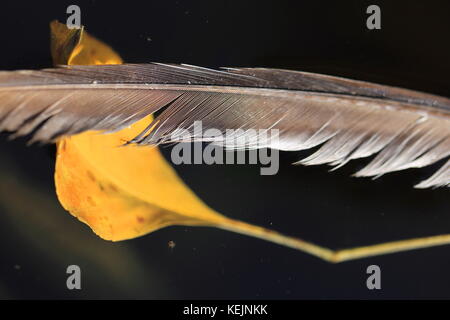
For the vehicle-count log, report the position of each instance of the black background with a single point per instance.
(38, 239)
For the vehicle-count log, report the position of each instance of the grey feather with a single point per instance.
(351, 119)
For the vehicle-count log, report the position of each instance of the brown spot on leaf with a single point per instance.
(113, 188)
(140, 219)
(90, 175)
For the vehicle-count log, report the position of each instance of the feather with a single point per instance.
(349, 119)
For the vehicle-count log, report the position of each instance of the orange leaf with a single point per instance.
(120, 192)
(126, 192)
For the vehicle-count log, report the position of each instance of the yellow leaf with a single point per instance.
(120, 192)
(126, 192)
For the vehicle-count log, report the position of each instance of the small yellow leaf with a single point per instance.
(120, 192)
(123, 192)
